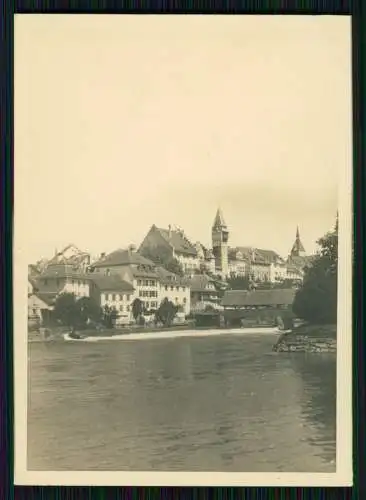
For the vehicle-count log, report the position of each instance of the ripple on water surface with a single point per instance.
(224, 403)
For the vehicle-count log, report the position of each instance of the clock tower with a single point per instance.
(220, 238)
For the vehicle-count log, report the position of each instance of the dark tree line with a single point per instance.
(316, 300)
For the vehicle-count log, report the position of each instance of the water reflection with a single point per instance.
(215, 403)
(318, 372)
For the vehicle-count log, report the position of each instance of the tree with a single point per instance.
(67, 311)
(166, 312)
(161, 256)
(238, 282)
(316, 300)
(74, 312)
(89, 310)
(137, 309)
(109, 316)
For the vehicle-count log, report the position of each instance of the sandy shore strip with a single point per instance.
(183, 333)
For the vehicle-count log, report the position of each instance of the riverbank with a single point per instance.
(308, 338)
(171, 334)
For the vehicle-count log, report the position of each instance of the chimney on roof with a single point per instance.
(131, 248)
(169, 230)
(102, 255)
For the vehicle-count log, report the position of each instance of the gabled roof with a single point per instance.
(258, 298)
(63, 271)
(177, 240)
(111, 283)
(168, 278)
(123, 257)
(256, 255)
(219, 221)
(77, 258)
(199, 282)
(207, 252)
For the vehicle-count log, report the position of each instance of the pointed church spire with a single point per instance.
(298, 249)
(219, 219)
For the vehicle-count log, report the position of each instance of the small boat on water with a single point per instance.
(73, 335)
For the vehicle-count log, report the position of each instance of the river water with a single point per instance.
(220, 403)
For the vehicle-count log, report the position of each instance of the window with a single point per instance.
(147, 305)
(72, 282)
(184, 288)
(128, 308)
(106, 296)
(140, 293)
(34, 311)
(166, 288)
(184, 300)
(110, 296)
(146, 282)
(177, 288)
(139, 282)
(128, 296)
(121, 308)
(172, 288)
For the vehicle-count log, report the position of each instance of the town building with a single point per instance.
(298, 260)
(203, 292)
(174, 288)
(39, 305)
(63, 278)
(71, 255)
(263, 307)
(206, 258)
(114, 293)
(171, 243)
(220, 238)
(135, 269)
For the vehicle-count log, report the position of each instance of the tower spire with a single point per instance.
(220, 237)
(298, 249)
(219, 219)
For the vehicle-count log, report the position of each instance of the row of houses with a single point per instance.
(222, 260)
(116, 281)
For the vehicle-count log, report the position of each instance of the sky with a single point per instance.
(122, 122)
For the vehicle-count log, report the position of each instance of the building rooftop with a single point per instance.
(123, 257)
(113, 283)
(177, 240)
(199, 283)
(242, 298)
(63, 271)
(219, 221)
(256, 255)
(166, 277)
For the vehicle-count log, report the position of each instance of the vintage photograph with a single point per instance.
(183, 228)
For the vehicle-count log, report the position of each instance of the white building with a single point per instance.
(63, 278)
(175, 289)
(135, 269)
(115, 293)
